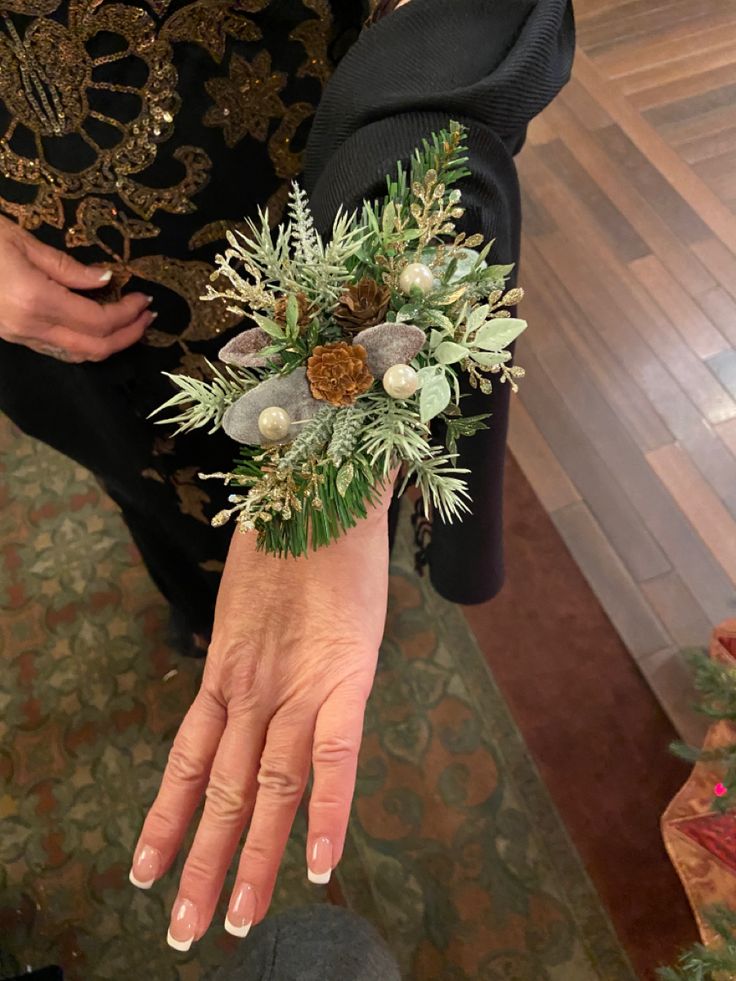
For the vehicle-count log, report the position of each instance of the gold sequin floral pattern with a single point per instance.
(247, 100)
(125, 129)
(60, 100)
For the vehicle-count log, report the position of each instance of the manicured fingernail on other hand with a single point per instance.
(242, 910)
(146, 867)
(106, 276)
(320, 861)
(183, 925)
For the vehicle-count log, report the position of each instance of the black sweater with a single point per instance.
(492, 65)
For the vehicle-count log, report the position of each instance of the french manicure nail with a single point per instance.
(320, 864)
(106, 276)
(241, 911)
(183, 925)
(150, 299)
(146, 867)
(154, 314)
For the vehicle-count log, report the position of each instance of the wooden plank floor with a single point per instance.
(626, 422)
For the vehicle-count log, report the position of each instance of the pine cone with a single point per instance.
(338, 373)
(304, 306)
(362, 305)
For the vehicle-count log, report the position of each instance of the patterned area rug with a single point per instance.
(455, 853)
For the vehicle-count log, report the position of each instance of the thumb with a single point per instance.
(65, 270)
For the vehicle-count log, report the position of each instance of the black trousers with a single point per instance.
(100, 420)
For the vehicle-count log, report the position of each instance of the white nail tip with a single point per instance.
(139, 884)
(182, 945)
(106, 276)
(319, 878)
(237, 931)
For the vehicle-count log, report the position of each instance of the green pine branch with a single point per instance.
(713, 963)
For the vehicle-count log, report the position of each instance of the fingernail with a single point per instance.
(106, 276)
(320, 864)
(146, 867)
(183, 925)
(242, 910)
(149, 299)
(153, 314)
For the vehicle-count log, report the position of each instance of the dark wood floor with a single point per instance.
(626, 423)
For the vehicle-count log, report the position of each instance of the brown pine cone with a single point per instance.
(304, 306)
(338, 373)
(363, 304)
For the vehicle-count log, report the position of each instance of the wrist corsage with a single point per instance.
(357, 344)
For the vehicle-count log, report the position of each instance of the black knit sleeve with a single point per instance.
(491, 65)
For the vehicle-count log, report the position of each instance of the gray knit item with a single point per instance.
(312, 943)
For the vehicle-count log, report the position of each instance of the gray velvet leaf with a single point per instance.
(291, 392)
(387, 344)
(242, 350)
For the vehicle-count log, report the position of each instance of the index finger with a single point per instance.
(86, 316)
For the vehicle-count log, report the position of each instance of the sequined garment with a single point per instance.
(136, 134)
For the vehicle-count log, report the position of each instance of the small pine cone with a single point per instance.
(363, 304)
(338, 373)
(305, 310)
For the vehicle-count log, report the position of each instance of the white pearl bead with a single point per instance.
(400, 381)
(416, 274)
(274, 422)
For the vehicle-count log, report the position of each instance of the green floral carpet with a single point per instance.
(455, 851)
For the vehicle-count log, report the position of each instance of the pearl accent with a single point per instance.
(274, 422)
(416, 274)
(400, 381)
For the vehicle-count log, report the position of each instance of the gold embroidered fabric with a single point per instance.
(137, 133)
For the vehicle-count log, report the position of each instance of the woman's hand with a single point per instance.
(288, 673)
(40, 310)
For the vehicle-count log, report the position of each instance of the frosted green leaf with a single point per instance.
(292, 314)
(499, 272)
(344, 477)
(270, 326)
(478, 316)
(489, 359)
(407, 313)
(388, 219)
(424, 374)
(499, 333)
(435, 338)
(434, 396)
(449, 353)
(439, 319)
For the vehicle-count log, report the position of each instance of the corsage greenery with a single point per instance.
(357, 344)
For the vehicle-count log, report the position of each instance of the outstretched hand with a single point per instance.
(287, 677)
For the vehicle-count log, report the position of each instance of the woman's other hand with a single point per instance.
(40, 310)
(287, 677)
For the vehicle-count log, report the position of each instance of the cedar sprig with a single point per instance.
(203, 403)
(293, 259)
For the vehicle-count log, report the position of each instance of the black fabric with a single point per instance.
(492, 65)
(96, 413)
